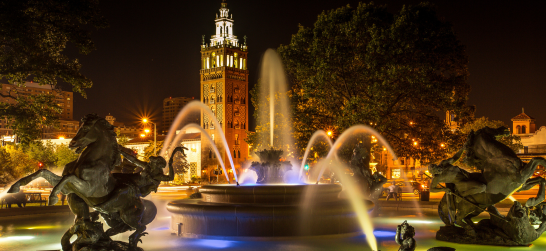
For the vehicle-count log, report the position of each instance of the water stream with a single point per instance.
(209, 139)
(314, 137)
(186, 111)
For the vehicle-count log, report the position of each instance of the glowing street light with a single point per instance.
(329, 133)
(147, 130)
(61, 137)
(142, 135)
(415, 143)
(145, 120)
(442, 145)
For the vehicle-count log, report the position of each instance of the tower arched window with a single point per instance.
(234, 154)
(213, 59)
(523, 129)
(518, 129)
(239, 154)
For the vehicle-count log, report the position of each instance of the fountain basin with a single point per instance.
(267, 211)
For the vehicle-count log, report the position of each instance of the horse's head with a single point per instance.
(93, 127)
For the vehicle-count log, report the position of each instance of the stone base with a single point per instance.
(485, 235)
(264, 212)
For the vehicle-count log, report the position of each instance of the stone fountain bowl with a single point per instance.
(264, 211)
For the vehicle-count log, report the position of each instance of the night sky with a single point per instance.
(151, 51)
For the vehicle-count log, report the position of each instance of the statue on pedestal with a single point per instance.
(469, 194)
(404, 237)
(117, 197)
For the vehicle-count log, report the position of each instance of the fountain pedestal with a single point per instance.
(227, 212)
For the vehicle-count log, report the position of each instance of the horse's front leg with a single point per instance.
(52, 178)
(81, 186)
(530, 183)
(529, 169)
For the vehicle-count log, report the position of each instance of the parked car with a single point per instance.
(404, 187)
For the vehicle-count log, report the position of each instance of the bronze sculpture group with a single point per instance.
(117, 197)
(467, 194)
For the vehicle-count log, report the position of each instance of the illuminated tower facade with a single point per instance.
(224, 89)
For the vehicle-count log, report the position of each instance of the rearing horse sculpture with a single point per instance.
(90, 176)
(88, 181)
(502, 172)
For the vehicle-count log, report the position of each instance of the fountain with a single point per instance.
(270, 208)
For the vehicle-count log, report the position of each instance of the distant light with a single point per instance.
(442, 145)
(144, 120)
(146, 130)
(411, 122)
(415, 143)
(61, 137)
(16, 238)
(142, 135)
(329, 133)
(379, 233)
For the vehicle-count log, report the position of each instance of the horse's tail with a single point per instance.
(150, 211)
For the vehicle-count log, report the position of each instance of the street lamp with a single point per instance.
(145, 120)
(329, 133)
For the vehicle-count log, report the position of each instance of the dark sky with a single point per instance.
(151, 50)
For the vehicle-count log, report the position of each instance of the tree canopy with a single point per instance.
(33, 37)
(394, 72)
(512, 141)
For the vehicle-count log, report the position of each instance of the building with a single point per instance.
(67, 126)
(534, 141)
(189, 139)
(171, 107)
(224, 89)
(128, 131)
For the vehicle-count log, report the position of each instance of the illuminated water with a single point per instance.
(177, 124)
(314, 137)
(273, 88)
(43, 233)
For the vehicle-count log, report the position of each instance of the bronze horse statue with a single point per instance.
(88, 182)
(502, 172)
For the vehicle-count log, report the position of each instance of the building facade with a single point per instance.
(64, 99)
(224, 89)
(171, 107)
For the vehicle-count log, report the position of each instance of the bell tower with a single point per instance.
(224, 89)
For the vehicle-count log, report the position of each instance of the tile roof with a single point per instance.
(522, 116)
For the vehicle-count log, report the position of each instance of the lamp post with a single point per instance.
(155, 134)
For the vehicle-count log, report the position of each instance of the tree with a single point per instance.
(394, 72)
(33, 37)
(7, 172)
(261, 138)
(64, 155)
(21, 163)
(122, 138)
(41, 152)
(149, 150)
(29, 114)
(180, 163)
(512, 141)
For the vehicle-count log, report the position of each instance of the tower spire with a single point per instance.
(224, 28)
